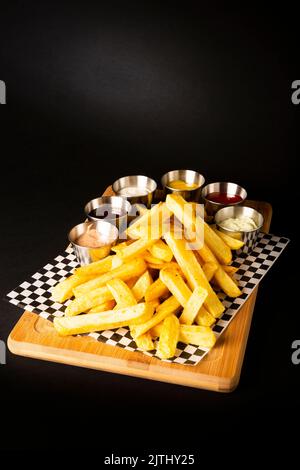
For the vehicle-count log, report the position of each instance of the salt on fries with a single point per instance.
(157, 282)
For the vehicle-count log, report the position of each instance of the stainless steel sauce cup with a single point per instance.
(249, 237)
(231, 189)
(144, 186)
(189, 177)
(108, 208)
(86, 255)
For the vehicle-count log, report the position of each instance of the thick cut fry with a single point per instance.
(194, 273)
(169, 306)
(64, 289)
(201, 336)
(161, 251)
(156, 290)
(221, 277)
(176, 204)
(135, 249)
(121, 293)
(233, 243)
(108, 305)
(204, 318)
(230, 269)
(98, 267)
(126, 271)
(109, 320)
(209, 270)
(86, 301)
(151, 260)
(152, 224)
(176, 285)
(120, 246)
(145, 342)
(139, 289)
(169, 337)
(193, 306)
(130, 283)
(226, 283)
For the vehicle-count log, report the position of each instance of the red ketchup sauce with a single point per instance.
(224, 198)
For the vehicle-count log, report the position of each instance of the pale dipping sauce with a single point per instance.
(92, 239)
(240, 224)
(131, 191)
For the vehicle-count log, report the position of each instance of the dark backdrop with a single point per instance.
(98, 91)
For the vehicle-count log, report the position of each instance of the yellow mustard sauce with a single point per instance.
(182, 185)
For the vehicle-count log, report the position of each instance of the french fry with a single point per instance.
(161, 251)
(145, 342)
(64, 289)
(193, 306)
(201, 336)
(86, 301)
(135, 249)
(233, 243)
(155, 303)
(120, 246)
(155, 331)
(194, 273)
(108, 305)
(156, 290)
(169, 306)
(230, 269)
(140, 287)
(151, 260)
(130, 283)
(139, 313)
(204, 318)
(221, 277)
(121, 293)
(151, 224)
(176, 285)
(209, 270)
(169, 337)
(127, 270)
(176, 204)
(97, 267)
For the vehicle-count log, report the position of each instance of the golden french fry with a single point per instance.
(120, 246)
(169, 337)
(156, 290)
(177, 204)
(169, 306)
(97, 267)
(151, 260)
(130, 283)
(161, 251)
(155, 330)
(201, 336)
(233, 243)
(64, 289)
(155, 303)
(135, 249)
(193, 306)
(209, 270)
(140, 287)
(130, 269)
(152, 224)
(108, 305)
(121, 293)
(194, 273)
(86, 301)
(226, 283)
(109, 320)
(176, 285)
(230, 269)
(221, 277)
(145, 342)
(204, 318)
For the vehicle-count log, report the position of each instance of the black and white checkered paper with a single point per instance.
(34, 295)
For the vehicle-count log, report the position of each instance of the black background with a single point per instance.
(98, 91)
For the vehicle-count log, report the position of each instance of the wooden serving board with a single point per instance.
(220, 370)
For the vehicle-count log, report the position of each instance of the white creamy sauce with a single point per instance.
(243, 224)
(130, 191)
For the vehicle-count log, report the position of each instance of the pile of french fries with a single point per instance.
(156, 282)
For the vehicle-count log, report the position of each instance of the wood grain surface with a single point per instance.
(220, 370)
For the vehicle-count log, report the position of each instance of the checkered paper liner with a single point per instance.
(34, 295)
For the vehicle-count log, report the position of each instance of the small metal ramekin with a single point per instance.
(86, 255)
(189, 177)
(106, 206)
(144, 184)
(231, 189)
(248, 237)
